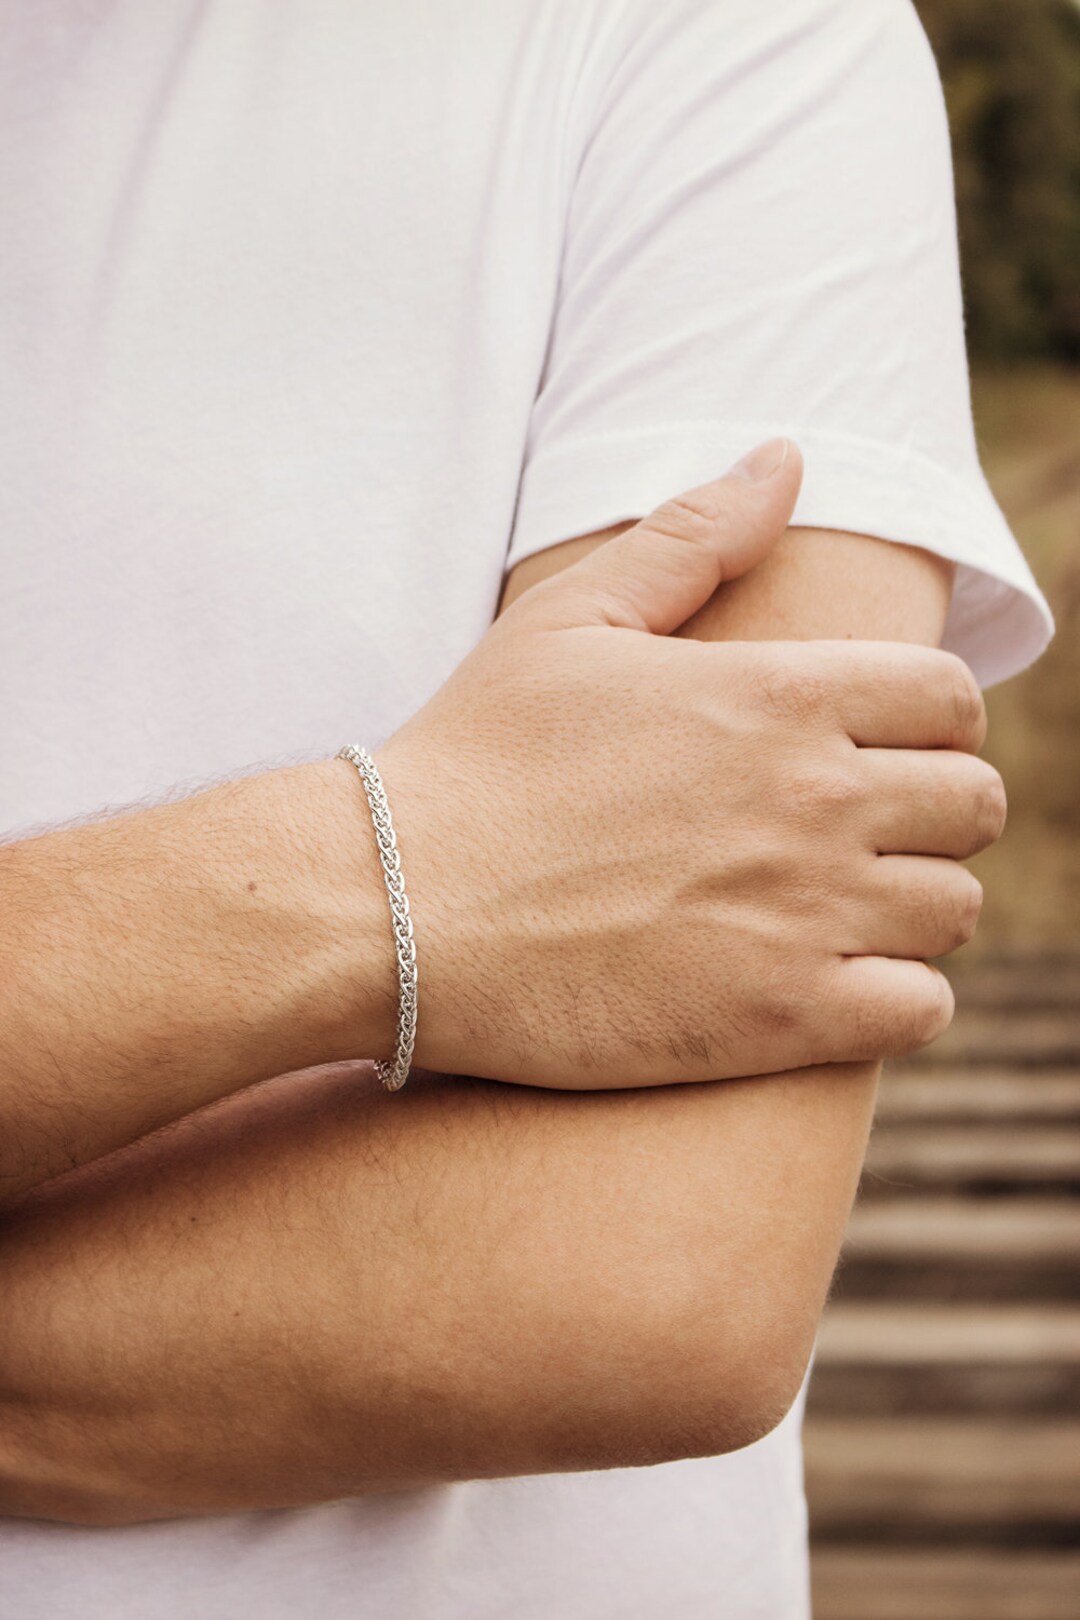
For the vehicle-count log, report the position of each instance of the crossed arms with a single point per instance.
(313, 1290)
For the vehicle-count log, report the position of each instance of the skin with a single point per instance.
(154, 962)
(583, 918)
(315, 1290)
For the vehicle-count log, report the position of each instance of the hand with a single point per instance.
(633, 858)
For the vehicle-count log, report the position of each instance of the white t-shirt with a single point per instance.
(316, 316)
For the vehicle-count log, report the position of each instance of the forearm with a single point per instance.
(152, 963)
(318, 1290)
(313, 1290)
(155, 961)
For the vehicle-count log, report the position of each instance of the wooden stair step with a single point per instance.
(884, 1583)
(1000, 1036)
(888, 1359)
(950, 1093)
(941, 1477)
(974, 1152)
(966, 1228)
(1012, 1389)
(929, 1335)
(936, 1247)
(1022, 983)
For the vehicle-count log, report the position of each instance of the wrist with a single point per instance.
(355, 1010)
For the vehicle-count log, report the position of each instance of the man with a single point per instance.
(309, 310)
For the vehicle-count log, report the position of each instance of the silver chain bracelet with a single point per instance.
(393, 1074)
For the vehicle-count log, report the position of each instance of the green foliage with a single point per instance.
(1011, 70)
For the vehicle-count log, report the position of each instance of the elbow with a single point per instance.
(736, 1407)
(727, 1389)
(701, 1384)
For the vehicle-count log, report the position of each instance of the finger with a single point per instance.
(914, 906)
(931, 802)
(889, 694)
(656, 575)
(893, 1006)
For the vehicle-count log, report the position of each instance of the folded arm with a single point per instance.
(314, 1290)
(152, 962)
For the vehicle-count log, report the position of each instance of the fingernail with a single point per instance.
(763, 463)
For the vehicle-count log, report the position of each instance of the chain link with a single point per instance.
(393, 1074)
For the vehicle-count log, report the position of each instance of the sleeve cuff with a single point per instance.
(999, 621)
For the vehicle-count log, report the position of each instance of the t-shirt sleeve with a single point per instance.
(761, 239)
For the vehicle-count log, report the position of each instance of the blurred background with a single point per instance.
(943, 1432)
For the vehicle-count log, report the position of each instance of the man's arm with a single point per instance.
(816, 584)
(155, 961)
(314, 1290)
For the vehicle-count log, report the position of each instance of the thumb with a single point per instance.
(657, 574)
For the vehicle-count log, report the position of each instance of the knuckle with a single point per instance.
(695, 518)
(885, 1029)
(933, 1010)
(777, 1010)
(841, 789)
(827, 791)
(991, 807)
(854, 1019)
(970, 907)
(791, 688)
(968, 711)
(774, 690)
(951, 912)
(915, 1013)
